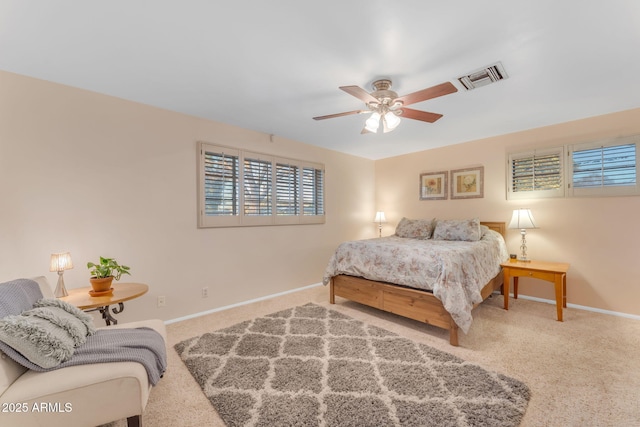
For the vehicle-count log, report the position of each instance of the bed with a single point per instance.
(405, 291)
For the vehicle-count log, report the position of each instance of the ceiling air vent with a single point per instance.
(483, 76)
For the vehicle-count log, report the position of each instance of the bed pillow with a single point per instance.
(455, 229)
(415, 228)
(47, 334)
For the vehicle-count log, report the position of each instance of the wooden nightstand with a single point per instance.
(554, 272)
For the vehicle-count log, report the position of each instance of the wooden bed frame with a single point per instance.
(408, 302)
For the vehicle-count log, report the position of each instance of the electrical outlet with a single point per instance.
(205, 292)
(162, 301)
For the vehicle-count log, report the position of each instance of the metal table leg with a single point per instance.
(108, 318)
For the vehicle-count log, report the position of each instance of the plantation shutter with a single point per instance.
(312, 191)
(535, 174)
(287, 189)
(257, 187)
(605, 168)
(239, 188)
(221, 196)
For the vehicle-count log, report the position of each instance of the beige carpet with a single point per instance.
(584, 371)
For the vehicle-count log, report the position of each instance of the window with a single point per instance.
(599, 168)
(257, 187)
(221, 181)
(603, 168)
(241, 188)
(535, 174)
(287, 189)
(312, 188)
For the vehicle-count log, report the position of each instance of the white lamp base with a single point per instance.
(60, 291)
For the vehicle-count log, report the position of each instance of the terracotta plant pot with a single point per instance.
(101, 285)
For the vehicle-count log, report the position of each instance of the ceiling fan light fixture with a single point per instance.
(385, 105)
(392, 120)
(373, 123)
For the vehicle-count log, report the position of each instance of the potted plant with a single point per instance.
(103, 274)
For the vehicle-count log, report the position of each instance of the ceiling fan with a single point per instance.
(387, 107)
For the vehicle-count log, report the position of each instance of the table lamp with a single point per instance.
(523, 220)
(59, 263)
(380, 219)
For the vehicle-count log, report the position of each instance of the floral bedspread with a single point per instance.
(455, 271)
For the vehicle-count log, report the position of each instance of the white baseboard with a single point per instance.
(579, 307)
(226, 307)
(547, 301)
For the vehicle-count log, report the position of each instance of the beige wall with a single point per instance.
(599, 237)
(97, 175)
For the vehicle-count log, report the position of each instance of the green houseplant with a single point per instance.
(104, 272)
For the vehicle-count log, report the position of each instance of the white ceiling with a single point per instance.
(271, 66)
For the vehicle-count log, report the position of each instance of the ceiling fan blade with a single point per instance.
(360, 93)
(430, 93)
(348, 113)
(410, 113)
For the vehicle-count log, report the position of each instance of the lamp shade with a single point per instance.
(380, 218)
(522, 219)
(61, 261)
(373, 123)
(392, 120)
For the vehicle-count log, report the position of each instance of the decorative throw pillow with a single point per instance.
(415, 228)
(454, 229)
(85, 319)
(47, 334)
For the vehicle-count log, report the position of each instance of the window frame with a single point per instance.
(604, 190)
(241, 219)
(567, 189)
(535, 194)
(305, 217)
(220, 220)
(287, 218)
(257, 219)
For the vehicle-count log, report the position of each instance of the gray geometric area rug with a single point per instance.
(311, 366)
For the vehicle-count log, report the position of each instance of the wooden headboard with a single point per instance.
(500, 227)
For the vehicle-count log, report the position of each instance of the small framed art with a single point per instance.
(467, 183)
(433, 185)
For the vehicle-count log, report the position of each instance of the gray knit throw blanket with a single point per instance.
(142, 345)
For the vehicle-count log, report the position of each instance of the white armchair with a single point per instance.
(83, 395)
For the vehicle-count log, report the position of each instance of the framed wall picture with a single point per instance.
(433, 185)
(467, 183)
